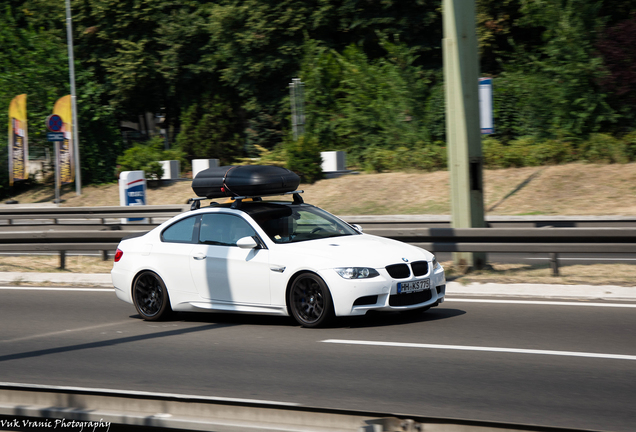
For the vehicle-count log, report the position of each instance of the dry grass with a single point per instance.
(50, 264)
(574, 189)
(593, 274)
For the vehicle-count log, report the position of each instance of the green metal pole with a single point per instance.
(463, 134)
(71, 66)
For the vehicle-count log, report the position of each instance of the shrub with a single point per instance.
(630, 146)
(603, 148)
(427, 157)
(303, 157)
(498, 155)
(146, 157)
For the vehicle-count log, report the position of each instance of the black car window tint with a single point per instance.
(180, 232)
(223, 229)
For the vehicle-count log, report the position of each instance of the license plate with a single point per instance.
(414, 286)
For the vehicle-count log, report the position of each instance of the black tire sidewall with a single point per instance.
(165, 309)
(328, 310)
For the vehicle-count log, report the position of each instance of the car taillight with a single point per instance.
(118, 254)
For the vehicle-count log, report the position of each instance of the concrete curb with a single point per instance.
(580, 292)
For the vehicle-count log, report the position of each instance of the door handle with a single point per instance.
(199, 256)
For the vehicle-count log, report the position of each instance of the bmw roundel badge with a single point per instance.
(405, 259)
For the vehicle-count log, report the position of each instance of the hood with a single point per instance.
(363, 250)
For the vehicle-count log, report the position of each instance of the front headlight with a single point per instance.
(435, 263)
(357, 272)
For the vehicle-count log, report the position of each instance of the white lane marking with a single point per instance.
(485, 349)
(540, 302)
(20, 288)
(116, 392)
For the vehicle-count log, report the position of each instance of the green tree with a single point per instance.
(32, 62)
(209, 131)
(552, 90)
(146, 157)
(617, 46)
(359, 105)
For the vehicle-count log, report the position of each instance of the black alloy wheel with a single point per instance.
(151, 297)
(310, 301)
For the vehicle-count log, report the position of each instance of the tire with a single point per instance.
(150, 297)
(309, 301)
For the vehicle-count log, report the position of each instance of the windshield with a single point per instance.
(296, 223)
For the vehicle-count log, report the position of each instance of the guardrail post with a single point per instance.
(104, 255)
(62, 260)
(554, 264)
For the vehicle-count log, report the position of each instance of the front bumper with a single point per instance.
(357, 297)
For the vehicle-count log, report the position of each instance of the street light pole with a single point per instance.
(71, 67)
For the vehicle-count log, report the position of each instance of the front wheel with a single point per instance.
(310, 301)
(150, 297)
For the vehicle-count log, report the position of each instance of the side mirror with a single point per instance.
(247, 243)
(357, 227)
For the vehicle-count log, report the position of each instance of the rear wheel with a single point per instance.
(150, 297)
(310, 301)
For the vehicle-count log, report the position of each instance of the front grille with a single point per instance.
(366, 300)
(420, 268)
(398, 271)
(410, 299)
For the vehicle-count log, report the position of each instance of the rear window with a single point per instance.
(181, 231)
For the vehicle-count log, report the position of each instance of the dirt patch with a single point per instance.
(51, 263)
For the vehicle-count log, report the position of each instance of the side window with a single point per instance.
(180, 232)
(223, 229)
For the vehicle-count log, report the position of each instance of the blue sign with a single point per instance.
(136, 195)
(54, 123)
(485, 106)
(55, 136)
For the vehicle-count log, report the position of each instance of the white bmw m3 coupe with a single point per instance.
(272, 257)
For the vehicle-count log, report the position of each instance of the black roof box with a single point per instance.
(244, 180)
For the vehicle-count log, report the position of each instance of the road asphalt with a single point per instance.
(453, 289)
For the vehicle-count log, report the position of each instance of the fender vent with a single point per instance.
(366, 300)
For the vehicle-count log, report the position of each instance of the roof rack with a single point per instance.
(238, 200)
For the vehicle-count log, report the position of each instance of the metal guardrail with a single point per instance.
(10, 215)
(86, 228)
(57, 214)
(549, 240)
(102, 410)
(506, 240)
(444, 221)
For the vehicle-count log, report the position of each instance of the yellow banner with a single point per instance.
(65, 161)
(18, 140)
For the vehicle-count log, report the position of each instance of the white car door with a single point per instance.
(172, 255)
(224, 272)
